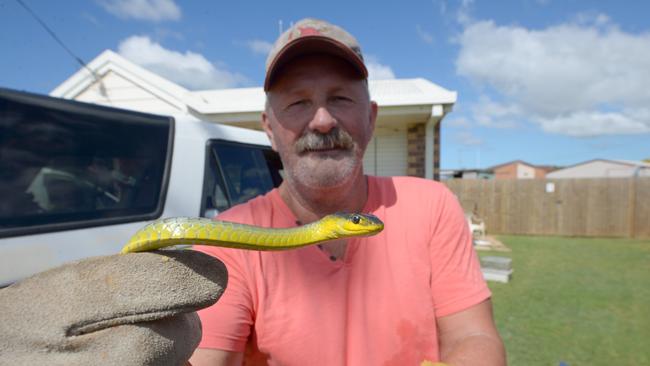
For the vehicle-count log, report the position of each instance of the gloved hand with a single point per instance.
(133, 309)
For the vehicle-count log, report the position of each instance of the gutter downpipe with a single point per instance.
(437, 112)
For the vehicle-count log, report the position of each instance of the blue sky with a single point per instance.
(549, 82)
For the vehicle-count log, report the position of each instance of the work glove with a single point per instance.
(124, 309)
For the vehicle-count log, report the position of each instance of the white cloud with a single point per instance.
(463, 13)
(259, 47)
(490, 113)
(581, 78)
(189, 69)
(596, 123)
(151, 10)
(376, 70)
(588, 17)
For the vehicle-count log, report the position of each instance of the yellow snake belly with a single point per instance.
(200, 231)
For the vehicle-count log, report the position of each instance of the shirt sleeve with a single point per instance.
(456, 279)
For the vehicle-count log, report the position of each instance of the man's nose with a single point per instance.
(323, 120)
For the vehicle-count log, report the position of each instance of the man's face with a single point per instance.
(320, 119)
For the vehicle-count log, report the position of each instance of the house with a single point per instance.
(603, 168)
(466, 174)
(519, 169)
(407, 134)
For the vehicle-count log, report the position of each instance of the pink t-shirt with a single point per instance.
(377, 306)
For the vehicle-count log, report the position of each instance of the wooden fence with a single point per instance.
(615, 207)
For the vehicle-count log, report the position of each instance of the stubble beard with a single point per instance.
(324, 161)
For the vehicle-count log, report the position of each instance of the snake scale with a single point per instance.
(185, 230)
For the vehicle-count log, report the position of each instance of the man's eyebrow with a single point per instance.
(336, 89)
(292, 90)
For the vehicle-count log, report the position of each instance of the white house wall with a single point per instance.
(386, 154)
(118, 91)
(598, 169)
(525, 172)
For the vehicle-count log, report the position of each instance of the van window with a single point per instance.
(65, 164)
(236, 173)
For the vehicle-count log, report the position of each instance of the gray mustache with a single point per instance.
(336, 138)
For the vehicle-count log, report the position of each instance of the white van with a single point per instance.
(77, 179)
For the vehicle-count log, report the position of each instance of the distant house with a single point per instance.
(603, 168)
(519, 169)
(407, 132)
(465, 174)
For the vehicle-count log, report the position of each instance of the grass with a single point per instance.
(575, 300)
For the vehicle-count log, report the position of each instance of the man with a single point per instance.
(410, 294)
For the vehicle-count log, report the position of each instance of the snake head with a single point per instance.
(356, 224)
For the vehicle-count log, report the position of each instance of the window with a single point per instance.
(66, 164)
(236, 173)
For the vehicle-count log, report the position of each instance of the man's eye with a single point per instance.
(341, 99)
(297, 103)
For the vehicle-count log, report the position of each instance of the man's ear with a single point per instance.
(374, 109)
(266, 125)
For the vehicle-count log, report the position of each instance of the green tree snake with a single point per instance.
(184, 230)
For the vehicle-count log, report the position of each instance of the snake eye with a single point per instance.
(356, 219)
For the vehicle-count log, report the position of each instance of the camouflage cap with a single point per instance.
(313, 36)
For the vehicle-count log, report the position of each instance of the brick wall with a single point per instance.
(506, 172)
(416, 135)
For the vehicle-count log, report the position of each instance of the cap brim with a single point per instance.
(311, 45)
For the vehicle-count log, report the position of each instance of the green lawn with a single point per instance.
(581, 301)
